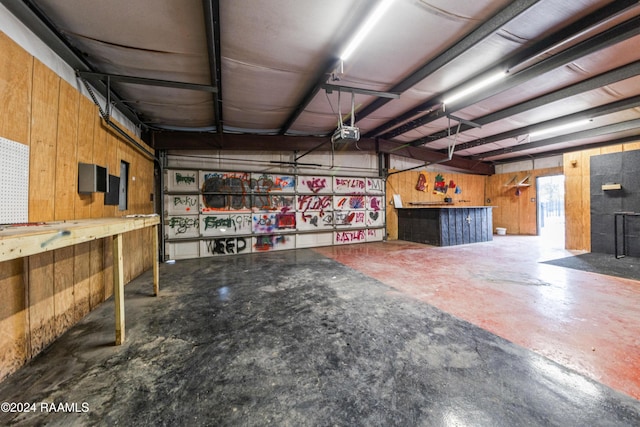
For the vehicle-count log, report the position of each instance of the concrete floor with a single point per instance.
(379, 334)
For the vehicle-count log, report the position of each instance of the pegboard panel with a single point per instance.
(14, 182)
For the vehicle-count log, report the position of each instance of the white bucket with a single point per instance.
(501, 231)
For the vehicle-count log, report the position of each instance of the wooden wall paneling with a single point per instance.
(123, 155)
(66, 182)
(472, 186)
(14, 321)
(63, 299)
(611, 149)
(631, 146)
(41, 301)
(42, 159)
(16, 69)
(577, 169)
(586, 197)
(107, 262)
(99, 158)
(133, 258)
(494, 192)
(82, 279)
(96, 282)
(113, 164)
(147, 255)
(86, 124)
(391, 187)
(573, 200)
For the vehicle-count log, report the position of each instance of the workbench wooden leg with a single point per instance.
(156, 262)
(118, 287)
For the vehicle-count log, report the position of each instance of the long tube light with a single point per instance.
(474, 88)
(559, 128)
(368, 25)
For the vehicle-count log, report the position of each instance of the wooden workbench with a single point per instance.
(18, 241)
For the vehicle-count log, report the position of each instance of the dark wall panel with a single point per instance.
(615, 168)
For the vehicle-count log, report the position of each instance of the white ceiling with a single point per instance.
(258, 66)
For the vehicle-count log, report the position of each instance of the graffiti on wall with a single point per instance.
(226, 191)
(314, 185)
(225, 246)
(349, 202)
(375, 234)
(273, 242)
(266, 183)
(218, 225)
(182, 180)
(272, 202)
(354, 236)
(314, 220)
(349, 185)
(182, 226)
(349, 218)
(242, 212)
(374, 203)
(306, 203)
(181, 204)
(375, 185)
(273, 221)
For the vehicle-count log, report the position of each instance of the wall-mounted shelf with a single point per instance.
(608, 187)
(514, 183)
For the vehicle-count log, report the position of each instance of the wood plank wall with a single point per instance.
(42, 296)
(578, 198)
(516, 213)
(404, 184)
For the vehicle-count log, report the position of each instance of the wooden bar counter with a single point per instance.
(23, 240)
(446, 225)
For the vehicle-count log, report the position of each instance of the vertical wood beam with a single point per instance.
(156, 262)
(118, 288)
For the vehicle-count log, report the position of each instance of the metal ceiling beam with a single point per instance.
(330, 88)
(602, 15)
(590, 133)
(486, 29)
(613, 76)
(572, 149)
(243, 142)
(605, 39)
(601, 110)
(36, 21)
(212, 26)
(328, 66)
(88, 75)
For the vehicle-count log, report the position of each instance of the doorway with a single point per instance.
(550, 209)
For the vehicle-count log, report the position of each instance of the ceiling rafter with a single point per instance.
(574, 148)
(601, 15)
(329, 65)
(589, 133)
(469, 41)
(31, 16)
(144, 81)
(605, 39)
(602, 110)
(212, 27)
(610, 77)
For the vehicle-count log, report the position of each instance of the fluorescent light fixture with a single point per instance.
(476, 87)
(559, 128)
(366, 28)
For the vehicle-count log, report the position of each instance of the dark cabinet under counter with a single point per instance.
(446, 226)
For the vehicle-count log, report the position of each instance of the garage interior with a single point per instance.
(433, 222)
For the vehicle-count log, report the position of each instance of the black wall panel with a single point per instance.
(615, 168)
